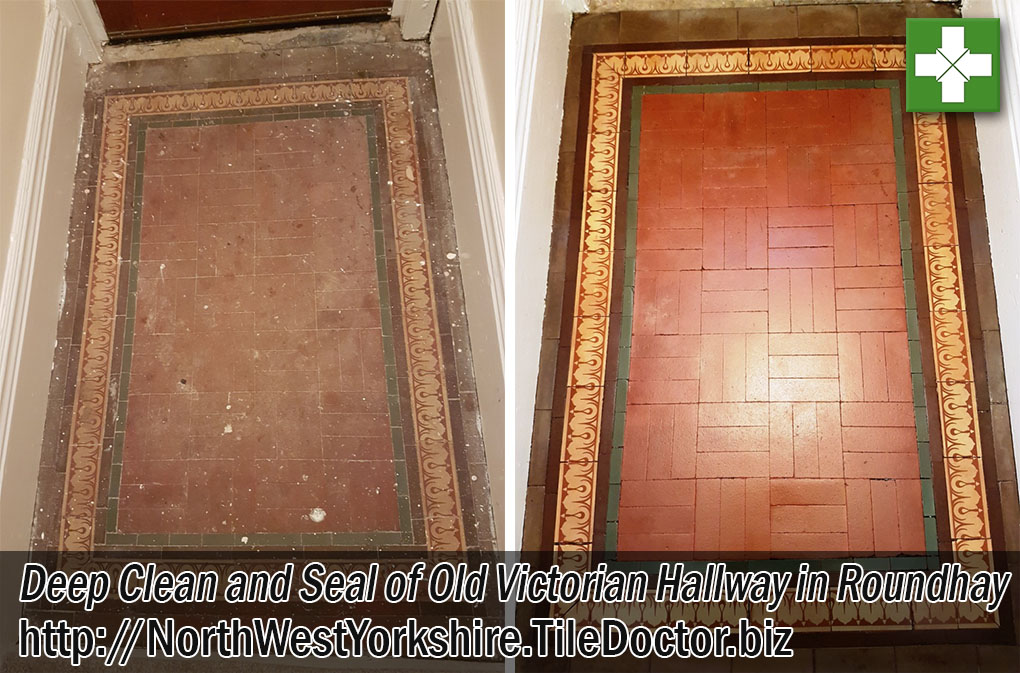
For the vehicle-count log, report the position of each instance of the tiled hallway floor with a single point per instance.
(770, 405)
(267, 345)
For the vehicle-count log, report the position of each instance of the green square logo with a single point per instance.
(952, 65)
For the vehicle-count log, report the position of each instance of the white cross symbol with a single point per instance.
(953, 64)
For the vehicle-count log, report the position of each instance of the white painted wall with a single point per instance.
(21, 33)
(999, 148)
(543, 37)
(467, 61)
(35, 239)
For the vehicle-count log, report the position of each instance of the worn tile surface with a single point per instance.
(287, 355)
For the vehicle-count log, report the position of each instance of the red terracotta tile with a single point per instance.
(802, 344)
(734, 364)
(733, 414)
(714, 440)
(732, 464)
(805, 440)
(869, 298)
(636, 440)
(800, 216)
(691, 185)
(707, 507)
(777, 177)
(870, 465)
(897, 363)
(807, 492)
(655, 542)
(804, 390)
(684, 441)
(743, 176)
(736, 120)
(800, 237)
(880, 439)
(809, 176)
(711, 380)
(662, 392)
(888, 234)
(869, 276)
(830, 440)
(664, 346)
(732, 157)
(780, 440)
(668, 260)
(870, 116)
(735, 280)
(803, 366)
(875, 320)
(779, 300)
(742, 197)
(757, 364)
(878, 414)
(714, 239)
(735, 256)
(667, 218)
(732, 512)
(860, 525)
(719, 301)
(863, 194)
(801, 301)
(809, 518)
(823, 303)
(864, 174)
(664, 369)
(671, 520)
(866, 226)
(660, 455)
(844, 236)
(882, 153)
(757, 238)
(668, 239)
(909, 508)
(800, 258)
(851, 372)
(757, 529)
(734, 323)
(883, 499)
(875, 381)
(834, 543)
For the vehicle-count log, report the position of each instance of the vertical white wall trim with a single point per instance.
(86, 26)
(488, 172)
(30, 290)
(471, 113)
(543, 39)
(999, 149)
(415, 17)
(17, 280)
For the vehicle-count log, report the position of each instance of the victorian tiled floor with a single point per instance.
(770, 404)
(263, 343)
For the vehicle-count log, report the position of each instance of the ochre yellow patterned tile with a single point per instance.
(890, 57)
(842, 58)
(716, 61)
(780, 59)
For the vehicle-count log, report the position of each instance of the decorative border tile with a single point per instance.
(433, 433)
(575, 503)
(404, 534)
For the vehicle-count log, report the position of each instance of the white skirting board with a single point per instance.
(474, 166)
(999, 149)
(30, 295)
(543, 37)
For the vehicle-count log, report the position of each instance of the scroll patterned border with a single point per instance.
(433, 436)
(573, 525)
